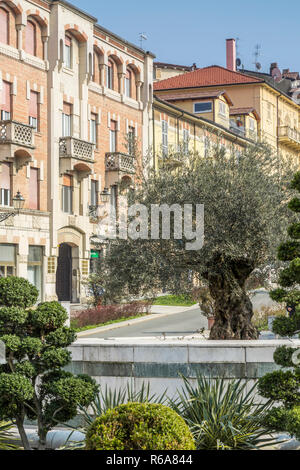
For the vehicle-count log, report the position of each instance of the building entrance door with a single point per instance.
(64, 274)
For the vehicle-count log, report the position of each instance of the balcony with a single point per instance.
(76, 155)
(238, 130)
(117, 166)
(17, 142)
(289, 137)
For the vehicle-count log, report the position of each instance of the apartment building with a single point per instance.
(72, 92)
(246, 104)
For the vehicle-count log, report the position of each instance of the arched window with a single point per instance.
(4, 18)
(128, 83)
(110, 75)
(30, 44)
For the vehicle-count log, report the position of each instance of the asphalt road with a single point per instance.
(179, 324)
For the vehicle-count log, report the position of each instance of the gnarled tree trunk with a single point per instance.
(233, 309)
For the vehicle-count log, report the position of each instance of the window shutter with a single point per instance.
(68, 181)
(68, 41)
(67, 109)
(33, 104)
(5, 176)
(3, 26)
(6, 98)
(33, 189)
(30, 38)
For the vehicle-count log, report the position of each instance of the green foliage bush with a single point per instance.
(32, 382)
(138, 426)
(283, 386)
(15, 291)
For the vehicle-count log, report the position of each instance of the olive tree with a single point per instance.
(33, 384)
(244, 197)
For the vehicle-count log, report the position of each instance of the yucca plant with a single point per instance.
(222, 414)
(7, 437)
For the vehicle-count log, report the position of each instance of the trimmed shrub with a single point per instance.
(17, 292)
(106, 313)
(137, 426)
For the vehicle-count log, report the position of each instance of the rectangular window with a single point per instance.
(5, 188)
(204, 107)
(68, 52)
(93, 124)
(222, 108)
(128, 81)
(34, 267)
(7, 260)
(34, 189)
(110, 75)
(113, 196)
(165, 139)
(67, 194)
(251, 125)
(113, 136)
(67, 120)
(94, 192)
(34, 110)
(6, 101)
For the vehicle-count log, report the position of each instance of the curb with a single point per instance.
(115, 326)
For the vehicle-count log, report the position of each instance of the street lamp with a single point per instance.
(18, 204)
(105, 196)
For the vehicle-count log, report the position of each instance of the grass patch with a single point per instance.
(92, 327)
(174, 301)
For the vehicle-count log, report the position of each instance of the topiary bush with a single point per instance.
(16, 291)
(140, 426)
(282, 386)
(33, 383)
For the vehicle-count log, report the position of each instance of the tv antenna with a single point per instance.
(256, 57)
(238, 60)
(143, 37)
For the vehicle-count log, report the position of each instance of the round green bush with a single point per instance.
(140, 426)
(49, 316)
(17, 292)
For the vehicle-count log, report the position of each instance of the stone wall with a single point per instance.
(116, 362)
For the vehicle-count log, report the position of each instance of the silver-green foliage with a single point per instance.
(222, 414)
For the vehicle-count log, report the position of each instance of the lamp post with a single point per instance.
(18, 204)
(105, 196)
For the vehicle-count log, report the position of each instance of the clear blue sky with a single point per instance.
(188, 31)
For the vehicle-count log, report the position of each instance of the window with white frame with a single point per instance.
(34, 110)
(67, 120)
(203, 107)
(113, 136)
(67, 194)
(68, 52)
(5, 185)
(165, 138)
(110, 75)
(7, 260)
(93, 128)
(128, 83)
(222, 108)
(251, 124)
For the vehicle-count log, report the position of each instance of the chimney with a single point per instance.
(231, 54)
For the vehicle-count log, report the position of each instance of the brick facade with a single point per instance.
(40, 236)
